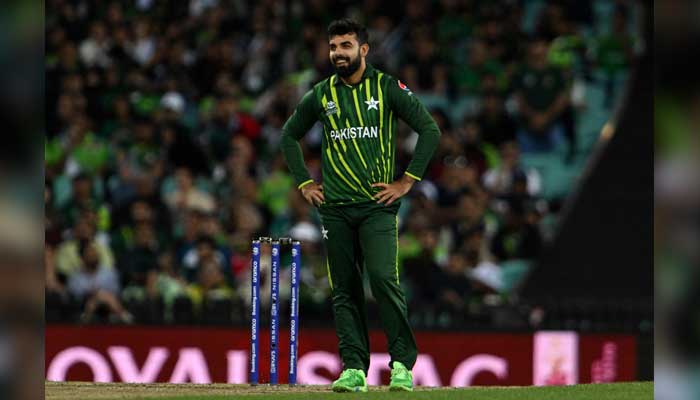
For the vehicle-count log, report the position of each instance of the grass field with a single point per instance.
(108, 391)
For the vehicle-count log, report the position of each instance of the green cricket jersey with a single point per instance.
(359, 140)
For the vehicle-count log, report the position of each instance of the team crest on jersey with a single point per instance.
(331, 108)
(405, 88)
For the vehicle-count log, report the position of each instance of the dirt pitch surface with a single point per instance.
(110, 391)
(104, 391)
(164, 391)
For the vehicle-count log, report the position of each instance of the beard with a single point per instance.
(351, 65)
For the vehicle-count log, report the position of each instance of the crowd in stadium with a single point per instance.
(164, 119)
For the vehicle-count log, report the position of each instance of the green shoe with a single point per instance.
(351, 380)
(401, 378)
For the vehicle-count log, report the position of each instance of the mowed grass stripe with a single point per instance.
(94, 391)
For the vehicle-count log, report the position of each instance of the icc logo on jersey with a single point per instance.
(331, 108)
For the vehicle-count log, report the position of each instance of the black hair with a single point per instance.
(81, 176)
(537, 38)
(344, 26)
(440, 112)
(499, 94)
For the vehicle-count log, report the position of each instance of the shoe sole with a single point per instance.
(400, 389)
(348, 389)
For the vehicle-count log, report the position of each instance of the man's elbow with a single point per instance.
(434, 130)
(287, 137)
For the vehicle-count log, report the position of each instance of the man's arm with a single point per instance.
(411, 110)
(558, 106)
(293, 130)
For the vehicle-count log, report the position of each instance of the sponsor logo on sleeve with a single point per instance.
(405, 88)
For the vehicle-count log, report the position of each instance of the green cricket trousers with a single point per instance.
(358, 238)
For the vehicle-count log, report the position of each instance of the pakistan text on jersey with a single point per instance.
(355, 132)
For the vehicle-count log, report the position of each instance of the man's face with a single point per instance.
(346, 53)
(183, 179)
(141, 212)
(492, 104)
(205, 251)
(538, 52)
(91, 257)
(478, 53)
(82, 189)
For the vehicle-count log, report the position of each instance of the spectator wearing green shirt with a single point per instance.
(613, 52)
(82, 198)
(496, 125)
(139, 159)
(541, 93)
(469, 78)
(78, 149)
(567, 51)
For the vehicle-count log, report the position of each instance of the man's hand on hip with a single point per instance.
(393, 191)
(313, 193)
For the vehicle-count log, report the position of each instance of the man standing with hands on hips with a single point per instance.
(358, 200)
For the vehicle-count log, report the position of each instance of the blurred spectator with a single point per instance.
(53, 220)
(141, 212)
(469, 77)
(205, 253)
(96, 285)
(479, 153)
(422, 272)
(138, 264)
(78, 149)
(94, 51)
(567, 52)
(118, 120)
(163, 127)
(469, 219)
(228, 121)
(518, 238)
(273, 191)
(613, 52)
(53, 281)
(424, 68)
(181, 150)
(82, 198)
(187, 196)
(551, 19)
(454, 286)
(144, 46)
(206, 269)
(495, 124)
(457, 176)
(541, 92)
(68, 256)
(168, 284)
(240, 173)
(189, 228)
(140, 156)
(510, 174)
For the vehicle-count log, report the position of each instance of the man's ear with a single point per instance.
(364, 49)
